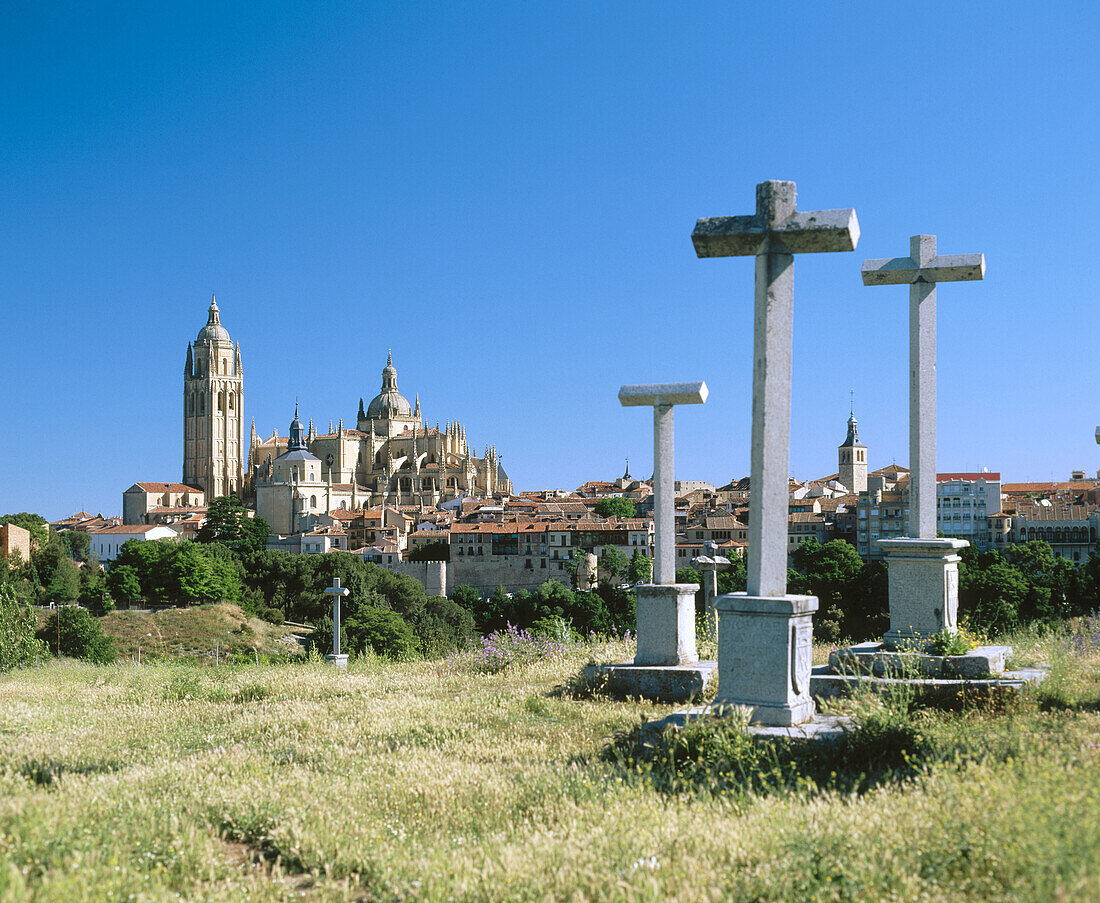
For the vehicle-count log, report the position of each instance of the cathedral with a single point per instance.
(391, 457)
(213, 410)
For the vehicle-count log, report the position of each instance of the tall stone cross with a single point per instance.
(336, 591)
(921, 270)
(774, 234)
(663, 397)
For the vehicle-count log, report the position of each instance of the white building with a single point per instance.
(106, 541)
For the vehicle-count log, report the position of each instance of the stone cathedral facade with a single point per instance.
(391, 457)
(213, 411)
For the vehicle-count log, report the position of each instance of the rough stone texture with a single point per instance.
(340, 662)
(923, 577)
(666, 624)
(980, 662)
(765, 651)
(663, 683)
(921, 270)
(774, 234)
(663, 394)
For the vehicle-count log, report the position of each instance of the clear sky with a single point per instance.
(503, 193)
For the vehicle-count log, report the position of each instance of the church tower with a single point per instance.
(853, 460)
(213, 411)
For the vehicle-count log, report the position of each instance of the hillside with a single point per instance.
(197, 632)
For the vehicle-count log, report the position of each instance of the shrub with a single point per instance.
(18, 645)
(73, 631)
(504, 648)
(382, 630)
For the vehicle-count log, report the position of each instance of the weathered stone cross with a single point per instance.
(336, 591)
(921, 270)
(662, 397)
(774, 234)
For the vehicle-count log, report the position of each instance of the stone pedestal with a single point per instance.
(765, 656)
(666, 666)
(339, 662)
(666, 624)
(924, 588)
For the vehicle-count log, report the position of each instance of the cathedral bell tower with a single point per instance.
(213, 411)
(852, 456)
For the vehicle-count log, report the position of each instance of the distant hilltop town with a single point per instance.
(421, 500)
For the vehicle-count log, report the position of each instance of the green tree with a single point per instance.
(124, 585)
(615, 507)
(228, 522)
(75, 632)
(64, 585)
(382, 630)
(576, 563)
(613, 565)
(992, 595)
(433, 551)
(93, 589)
(466, 596)
(640, 568)
(18, 645)
(77, 543)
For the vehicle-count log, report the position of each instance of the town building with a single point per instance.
(142, 499)
(105, 542)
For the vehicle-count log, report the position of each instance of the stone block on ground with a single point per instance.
(661, 683)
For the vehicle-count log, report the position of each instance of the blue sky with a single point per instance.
(503, 194)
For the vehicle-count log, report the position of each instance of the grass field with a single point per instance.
(426, 781)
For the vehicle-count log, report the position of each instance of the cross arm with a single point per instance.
(664, 394)
(803, 232)
(941, 268)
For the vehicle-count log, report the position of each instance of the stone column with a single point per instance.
(765, 635)
(666, 609)
(923, 569)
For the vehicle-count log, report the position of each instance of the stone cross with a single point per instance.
(921, 270)
(774, 234)
(336, 591)
(710, 563)
(663, 397)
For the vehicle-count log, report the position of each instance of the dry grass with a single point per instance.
(414, 781)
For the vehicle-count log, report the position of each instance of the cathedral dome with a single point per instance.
(213, 331)
(389, 403)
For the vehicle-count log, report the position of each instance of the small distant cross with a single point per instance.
(921, 270)
(336, 591)
(774, 234)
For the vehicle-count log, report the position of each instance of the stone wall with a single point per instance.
(15, 539)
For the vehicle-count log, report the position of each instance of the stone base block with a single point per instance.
(879, 660)
(338, 661)
(667, 683)
(821, 727)
(923, 576)
(765, 652)
(826, 684)
(666, 624)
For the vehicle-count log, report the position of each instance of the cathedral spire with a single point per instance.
(188, 368)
